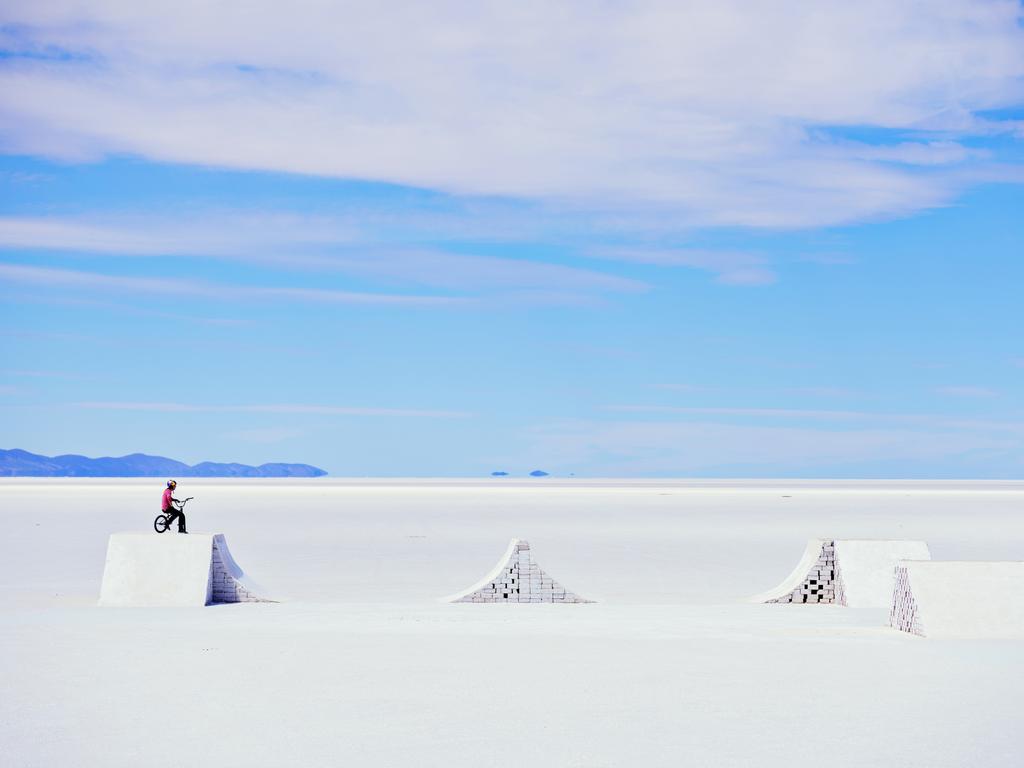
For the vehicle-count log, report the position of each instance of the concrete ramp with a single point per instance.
(149, 569)
(517, 579)
(959, 599)
(852, 572)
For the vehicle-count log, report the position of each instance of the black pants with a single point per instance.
(173, 513)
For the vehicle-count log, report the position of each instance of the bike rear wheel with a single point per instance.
(161, 523)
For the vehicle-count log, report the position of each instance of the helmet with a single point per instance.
(171, 483)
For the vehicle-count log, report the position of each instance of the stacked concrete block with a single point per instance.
(517, 579)
(852, 572)
(226, 588)
(904, 614)
(819, 586)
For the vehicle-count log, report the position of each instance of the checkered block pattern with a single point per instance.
(522, 581)
(226, 589)
(823, 583)
(904, 614)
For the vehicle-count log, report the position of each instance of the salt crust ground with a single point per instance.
(364, 668)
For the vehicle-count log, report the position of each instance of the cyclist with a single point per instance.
(172, 512)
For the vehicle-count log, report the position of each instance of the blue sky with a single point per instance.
(652, 239)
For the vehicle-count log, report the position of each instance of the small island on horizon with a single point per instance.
(18, 463)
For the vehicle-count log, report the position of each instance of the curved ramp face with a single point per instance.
(517, 579)
(852, 572)
(959, 599)
(149, 569)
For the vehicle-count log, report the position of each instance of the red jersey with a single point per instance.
(165, 502)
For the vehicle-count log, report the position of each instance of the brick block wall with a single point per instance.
(823, 583)
(227, 589)
(521, 580)
(904, 614)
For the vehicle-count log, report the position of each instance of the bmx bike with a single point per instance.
(163, 521)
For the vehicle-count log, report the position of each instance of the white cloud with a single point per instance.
(292, 409)
(169, 286)
(828, 259)
(827, 392)
(687, 388)
(716, 110)
(43, 374)
(468, 272)
(730, 267)
(231, 234)
(913, 153)
(269, 435)
(314, 243)
(799, 415)
(730, 411)
(967, 391)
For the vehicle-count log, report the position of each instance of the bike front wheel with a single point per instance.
(161, 523)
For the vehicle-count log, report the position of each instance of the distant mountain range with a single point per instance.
(18, 463)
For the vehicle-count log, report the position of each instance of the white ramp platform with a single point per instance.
(517, 579)
(959, 599)
(854, 572)
(150, 569)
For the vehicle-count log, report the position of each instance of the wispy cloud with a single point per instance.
(293, 409)
(797, 415)
(926, 153)
(269, 435)
(967, 391)
(469, 272)
(25, 178)
(828, 259)
(721, 112)
(687, 388)
(770, 412)
(729, 267)
(43, 374)
(316, 244)
(53, 233)
(828, 392)
(843, 393)
(21, 333)
(116, 303)
(95, 281)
